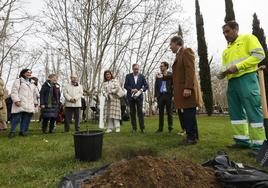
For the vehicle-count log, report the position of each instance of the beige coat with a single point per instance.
(70, 91)
(25, 92)
(112, 107)
(3, 96)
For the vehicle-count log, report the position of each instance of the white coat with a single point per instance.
(70, 91)
(25, 92)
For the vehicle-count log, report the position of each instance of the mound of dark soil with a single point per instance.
(154, 172)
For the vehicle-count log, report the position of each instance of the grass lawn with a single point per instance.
(41, 160)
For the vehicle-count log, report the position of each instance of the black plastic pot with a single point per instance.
(88, 145)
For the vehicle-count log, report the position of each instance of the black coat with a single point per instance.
(51, 111)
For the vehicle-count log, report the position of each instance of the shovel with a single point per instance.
(262, 155)
(263, 98)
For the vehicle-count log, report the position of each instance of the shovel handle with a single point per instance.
(260, 68)
(262, 91)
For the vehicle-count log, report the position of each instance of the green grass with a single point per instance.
(33, 162)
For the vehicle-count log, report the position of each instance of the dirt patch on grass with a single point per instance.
(131, 153)
(155, 172)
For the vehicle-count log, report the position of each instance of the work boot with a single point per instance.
(238, 146)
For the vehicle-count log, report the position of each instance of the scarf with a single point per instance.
(51, 94)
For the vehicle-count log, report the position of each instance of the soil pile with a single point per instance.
(154, 172)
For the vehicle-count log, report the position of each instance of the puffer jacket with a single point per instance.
(25, 92)
(70, 91)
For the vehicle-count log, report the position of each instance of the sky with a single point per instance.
(213, 13)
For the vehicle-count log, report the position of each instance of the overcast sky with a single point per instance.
(213, 13)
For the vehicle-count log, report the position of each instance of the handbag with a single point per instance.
(121, 92)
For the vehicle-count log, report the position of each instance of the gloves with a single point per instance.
(221, 75)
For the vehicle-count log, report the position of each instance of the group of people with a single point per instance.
(26, 98)
(178, 88)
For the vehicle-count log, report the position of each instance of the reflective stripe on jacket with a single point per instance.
(245, 52)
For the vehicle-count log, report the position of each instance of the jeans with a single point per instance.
(24, 118)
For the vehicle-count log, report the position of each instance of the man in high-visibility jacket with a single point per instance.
(240, 62)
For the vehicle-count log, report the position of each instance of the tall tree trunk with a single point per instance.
(229, 10)
(204, 68)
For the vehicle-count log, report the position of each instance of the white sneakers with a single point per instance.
(117, 130)
(109, 131)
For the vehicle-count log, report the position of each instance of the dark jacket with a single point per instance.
(83, 104)
(169, 84)
(130, 84)
(49, 110)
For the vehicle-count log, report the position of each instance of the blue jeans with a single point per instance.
(24, 118)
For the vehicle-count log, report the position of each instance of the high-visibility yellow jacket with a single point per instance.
(245, 53)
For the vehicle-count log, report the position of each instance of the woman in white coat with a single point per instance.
(24, 101)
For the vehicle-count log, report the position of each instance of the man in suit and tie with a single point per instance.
(163, 93)
(135, 84)
(186, 90)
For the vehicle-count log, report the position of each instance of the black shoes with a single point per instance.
(187, 142)
(22, 134)
(133, 131)
(159, 131)
(11, 135)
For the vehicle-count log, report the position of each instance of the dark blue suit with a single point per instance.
(135, 104)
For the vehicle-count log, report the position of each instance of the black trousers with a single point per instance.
(135, 106)
(51, 124)
(165, 100)
(188, 121)
(69, 111)
(181, 120)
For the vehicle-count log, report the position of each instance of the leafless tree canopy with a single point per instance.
(86, 37)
